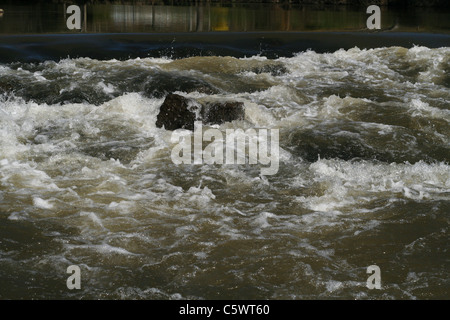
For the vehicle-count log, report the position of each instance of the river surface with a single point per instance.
(87, 179)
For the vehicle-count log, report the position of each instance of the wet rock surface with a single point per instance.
(175, 113)
(178, 112)
(218, 112)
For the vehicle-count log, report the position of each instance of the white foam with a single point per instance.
(200, 196)
(123, 207)
(131, 107)
(349, 183)
(23, 175)
(39, 77)
(432, 60)
(93, 217)
(17, 216)
(259, 115)
(262, 219)
(420, 108)
(333, 285)
(103, 249)
(41, 203)
(107, 88)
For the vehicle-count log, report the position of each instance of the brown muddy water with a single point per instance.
(87, 179)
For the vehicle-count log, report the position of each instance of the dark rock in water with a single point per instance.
(5, 86)
(273, 69)
(160, 84)
(175, 113)
(218, 113)
(178, 112)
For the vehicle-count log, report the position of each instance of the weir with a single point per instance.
(38, 48)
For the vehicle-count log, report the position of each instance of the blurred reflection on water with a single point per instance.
(51, 18)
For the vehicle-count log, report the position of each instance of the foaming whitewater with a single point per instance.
(86, 178)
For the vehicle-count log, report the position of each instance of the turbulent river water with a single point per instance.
(86, 178)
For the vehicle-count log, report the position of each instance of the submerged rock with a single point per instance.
(5, 86)
(160, 84)
(178, 112)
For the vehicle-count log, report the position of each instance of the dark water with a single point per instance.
(87, 179)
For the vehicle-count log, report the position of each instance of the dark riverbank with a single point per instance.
(138, 17)
(396, 3)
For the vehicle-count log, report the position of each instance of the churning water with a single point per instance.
(86, 178)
